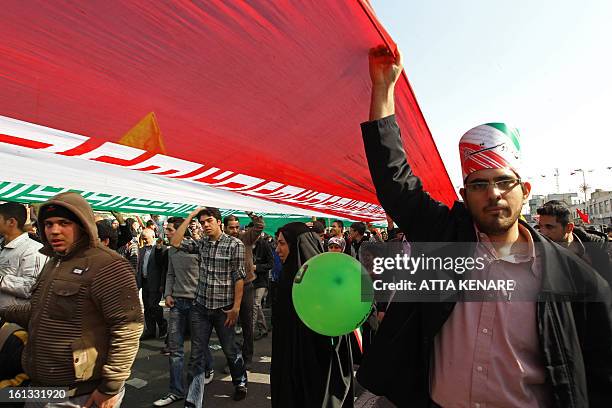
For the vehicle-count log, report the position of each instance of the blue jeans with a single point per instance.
(202, 322)
(179, 318)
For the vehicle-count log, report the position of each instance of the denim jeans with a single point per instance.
(202, 322)
(258, 315)
(179, 318)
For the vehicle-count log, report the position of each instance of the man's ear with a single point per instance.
(462, 193)
(12, 222)
(569, 227)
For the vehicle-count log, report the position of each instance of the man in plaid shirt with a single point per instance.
(217, 302)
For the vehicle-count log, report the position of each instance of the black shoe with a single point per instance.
(240, 392)
(147, 336)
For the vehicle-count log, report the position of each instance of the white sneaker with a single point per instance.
(208, 376)
(167, 400)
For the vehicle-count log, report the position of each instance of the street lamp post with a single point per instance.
(584, 187)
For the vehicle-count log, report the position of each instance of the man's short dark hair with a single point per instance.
(340, 223)
(175, 221)
(210, 212)
(359, 227)
(318, 227)
(392, 234)
(558, 209)
(229, 218)
(150, 223)
(16, 211)
(105, 229)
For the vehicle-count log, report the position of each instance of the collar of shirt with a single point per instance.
(520, 257)
(221, 238)
(15, 243)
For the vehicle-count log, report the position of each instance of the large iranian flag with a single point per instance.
(245, 105)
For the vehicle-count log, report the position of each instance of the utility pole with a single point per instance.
(557, 179)
(584, 187)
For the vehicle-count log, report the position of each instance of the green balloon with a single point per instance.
(332, 294)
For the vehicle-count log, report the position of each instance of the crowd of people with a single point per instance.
(80, 291)
(208, 270)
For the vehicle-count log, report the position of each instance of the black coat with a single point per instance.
(264, 261)
(575, 336)
(598, 251)
(308, 370)
(155, 275)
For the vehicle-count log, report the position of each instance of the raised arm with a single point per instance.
(177, 239)
(119, 217)
(399, 191)
(385, 70)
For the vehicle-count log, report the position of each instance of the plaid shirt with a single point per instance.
(221, 265)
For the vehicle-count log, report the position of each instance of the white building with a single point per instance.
(538, 201)
(599, 207)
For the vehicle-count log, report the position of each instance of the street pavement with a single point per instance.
(150, 379)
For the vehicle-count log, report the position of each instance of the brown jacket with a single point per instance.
(248, 238)
(84, 319)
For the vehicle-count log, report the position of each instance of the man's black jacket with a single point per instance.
(264, 261)
(157, 268)
(597, 249)
(575, 336)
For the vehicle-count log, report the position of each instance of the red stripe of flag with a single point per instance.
(18, 141)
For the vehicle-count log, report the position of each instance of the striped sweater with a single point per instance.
(84, 319)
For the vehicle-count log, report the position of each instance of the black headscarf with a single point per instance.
(303, 245)
(308, 369)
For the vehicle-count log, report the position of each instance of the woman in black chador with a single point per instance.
(309, 370)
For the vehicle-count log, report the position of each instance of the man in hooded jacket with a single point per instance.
(84, 319)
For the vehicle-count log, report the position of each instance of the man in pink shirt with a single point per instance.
(551, 349)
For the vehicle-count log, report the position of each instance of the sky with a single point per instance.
(544, 67)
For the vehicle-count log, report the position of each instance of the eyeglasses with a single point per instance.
(502, 185)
